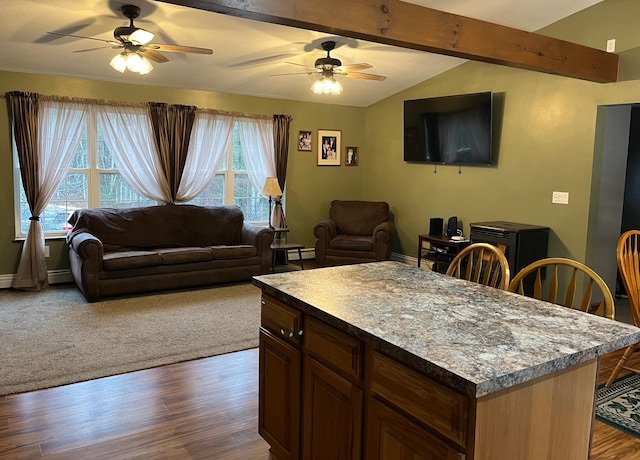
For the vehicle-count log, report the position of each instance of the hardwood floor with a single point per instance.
(202, 409)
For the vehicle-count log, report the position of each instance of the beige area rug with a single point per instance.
(56, 337)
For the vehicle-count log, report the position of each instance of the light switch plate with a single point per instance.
(560, 198)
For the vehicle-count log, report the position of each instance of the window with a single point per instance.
(94, 181)
(234, 183)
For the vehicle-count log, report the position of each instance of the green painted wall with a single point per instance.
(546, 144)
(309, 188)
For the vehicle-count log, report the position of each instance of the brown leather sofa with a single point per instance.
(355, 232)
(123, 251)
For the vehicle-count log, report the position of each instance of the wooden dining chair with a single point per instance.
(481, 263)
(628, 255)
(574, 274)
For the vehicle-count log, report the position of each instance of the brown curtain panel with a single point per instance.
(180, 134)
(159, 114)
(23, 108)
(281, 125)
(171, 135)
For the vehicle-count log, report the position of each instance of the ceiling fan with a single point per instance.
(135, 42)
(328, 67)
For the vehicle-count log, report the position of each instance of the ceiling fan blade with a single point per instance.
(354, 67)
(111, 47)
(153, 55)
(300, 65)
(178, 48)
(112, 42)
(294, 73)
(363, 76)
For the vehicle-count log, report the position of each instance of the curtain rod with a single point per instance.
(82, 100)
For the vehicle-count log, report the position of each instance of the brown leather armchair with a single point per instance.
(355, 232)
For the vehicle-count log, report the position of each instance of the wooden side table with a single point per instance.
(283, 246)
(439, 249)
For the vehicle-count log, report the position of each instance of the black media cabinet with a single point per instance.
(523, 243)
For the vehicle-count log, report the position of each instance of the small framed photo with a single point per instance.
(351, 156)
(329, 147)
(304, 141)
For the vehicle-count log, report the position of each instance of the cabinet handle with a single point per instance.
(291, 334)
(300, 332)
(282, 331)
(263, 302)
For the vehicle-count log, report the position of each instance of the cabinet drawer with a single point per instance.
(437, 406)
(391, 435)
(281, 319)
(342, 351)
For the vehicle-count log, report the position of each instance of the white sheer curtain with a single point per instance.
(128, 135)
(256, 136)
(210, 139)
(60, 125)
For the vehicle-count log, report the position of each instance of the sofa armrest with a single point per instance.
(324, 231)
(261, 238)
(85, 257)
(382, 235)
(86, 245)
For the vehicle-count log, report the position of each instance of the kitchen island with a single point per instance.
(384, 360)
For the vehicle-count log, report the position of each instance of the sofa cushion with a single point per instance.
(130, 259)
(352, 243)
(161, 226)
(358, 217)
(184, 255)
(238, 251)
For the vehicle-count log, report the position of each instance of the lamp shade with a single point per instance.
(119, 62)
(326, 85)
(271, 187)
(141, 37)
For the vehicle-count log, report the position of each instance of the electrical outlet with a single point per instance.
(46, 251)
(611, 45)
(560, 198)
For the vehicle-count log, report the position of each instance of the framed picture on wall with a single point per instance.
(304, 141)
(329, 142)
(351, 156)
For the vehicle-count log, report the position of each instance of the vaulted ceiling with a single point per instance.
(246, 53)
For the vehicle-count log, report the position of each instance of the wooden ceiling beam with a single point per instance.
(406, 25)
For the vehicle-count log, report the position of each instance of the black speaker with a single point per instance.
(435, 226)
(452, 226)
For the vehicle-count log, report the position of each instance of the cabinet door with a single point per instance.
(279, 412)
(392, 436)
(332, 415)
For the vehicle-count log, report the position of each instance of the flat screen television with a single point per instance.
(449, 129)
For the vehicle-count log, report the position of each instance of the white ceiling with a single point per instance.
(246, 52)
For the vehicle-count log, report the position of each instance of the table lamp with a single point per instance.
(271, 188)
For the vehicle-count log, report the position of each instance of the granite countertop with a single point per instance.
(472, 337)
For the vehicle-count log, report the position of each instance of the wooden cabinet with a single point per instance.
(318, 416)
(280, 384)
(427, 386)
(326, 394)
(392, 436)
(332, 414)
(442, 409)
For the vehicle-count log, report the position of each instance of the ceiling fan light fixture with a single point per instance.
(141, 37)
(326, 85)
(145, 66)
(132, 62)
(119, 62)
